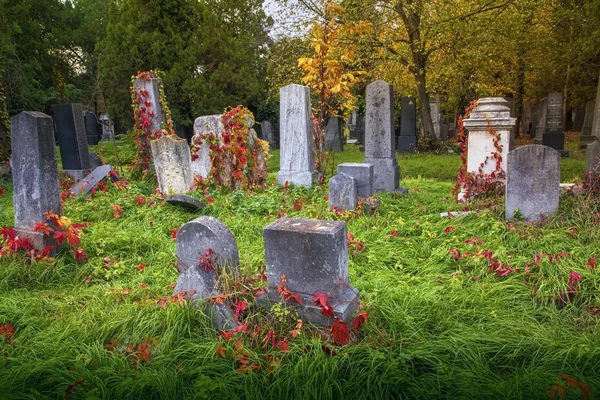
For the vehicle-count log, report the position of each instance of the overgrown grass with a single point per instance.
(437, 328)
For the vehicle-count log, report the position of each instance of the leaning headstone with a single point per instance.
(534, 197)
(149, 91)
(313, 257)
(342, 192)
(334, 137)
(172, 162)
(380, 149)
(540, 128)
(592, 164)
(206, 247)
(407, 141)
(93, 129)
(266, 130)
(72, 139)
(554, 136)
(296, 144)
(89, 182)
(362, 173)
(204, 125)
(35, 175)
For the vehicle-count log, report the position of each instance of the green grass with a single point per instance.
(437, 328)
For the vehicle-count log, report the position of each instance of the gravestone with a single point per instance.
(35, 175)
(527, 118)
(436, 117)
(313, 256)
(554, 136)
(266, 130)
(108, 129)
(296, 145)
(537, 196)
(534, 121)
(444, 132)
(579, 114)
(149, 92)
(172, 162)
(206, 247)
(93, 129)
(360, 130)
(202, 164)
(185, 201)
(334, 137)
(95, 161)
(596, 121)
(89, 182)
(352, 121)
(588, 119)
(592, 165)
(342, 192)
(72, 140)
(380, 148)
(491, 112)
(540, 128)
(362, 173)
(407, 141)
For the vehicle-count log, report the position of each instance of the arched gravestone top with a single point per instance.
(532, 184)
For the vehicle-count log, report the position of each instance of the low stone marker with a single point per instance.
(35, 175)
(407, 141)
(184, 200)
(89, 182)
(72, 139)
(334, 137)
(536, 195)
(172, 162)
(205, 246)
(342, 192)
(362, 173)
(312, 255)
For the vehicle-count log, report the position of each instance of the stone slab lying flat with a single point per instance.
(185, 201)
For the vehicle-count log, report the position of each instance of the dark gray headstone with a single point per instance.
(184, 201)
(533, 195)
(380, 149)
(89, 182)
(578, 116)
(342, 192)
(35, 174)
(72, 139)
(313, 255)
(554, 117)
(534, 120)
(334, 138)
(93, 129)
(362, 173)
(596, 121)
(540, 128)
(588, 119)
(360, 129)
(407, 141)
(95, 161)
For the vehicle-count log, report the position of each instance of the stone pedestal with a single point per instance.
(296, 145)
(313, 256)
(35, 175)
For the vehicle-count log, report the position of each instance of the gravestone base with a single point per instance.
(77, 174)
(407, 144)
(38, 240)
(537, 141)
(345, 305)
(298, 178)
(386, 174)
(185, 201)
(363, 173)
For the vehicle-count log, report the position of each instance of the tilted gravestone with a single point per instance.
(97, 175)
(362, 173)
(313, 257)
(296, 144)
(588, 120)
(407, 141)
(72, 140)
(149, 91)
(206, 248)
(592, 164)
(334, 137)
(380, 149)
(534, 196)
(342, 192)
(172, 162)
(35, 175)
(554, 135)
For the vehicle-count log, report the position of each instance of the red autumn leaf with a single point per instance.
(144, 352)
(7, 233)
(43, 227)
(322, 300)
(220, 351)
(141, 266)
(72, 387)
(592, 262)
(282, 345)
(144, 286)
(297, 206)
(118, 210)
(448, 229)
(59, 236)
(239, 307)
(8, 332)
(1, 191)
(560, 255)
(173, 233)
(46, 251)
(140, 200)
(80, 254)
(455, 254)
(126, 291)
(209, 199)
(474, 241)
(359, 319)
(394, 233)
(340, 332)
(574, 276)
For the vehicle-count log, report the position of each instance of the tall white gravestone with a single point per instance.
(296, 155)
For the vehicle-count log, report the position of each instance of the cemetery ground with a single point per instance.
(465, 307)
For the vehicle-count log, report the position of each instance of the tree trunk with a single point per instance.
(4, 128)
(520, 90)
(567, 79)
(424, 111)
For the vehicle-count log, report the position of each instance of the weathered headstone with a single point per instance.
(534, 121)
(490, 113)
(35, 175)
(537, 196)
(352, 120)
(149, 90)
(93, 129)
(108, 129)
(342, 192)
(527, 118)
(89, 182)
(588, 119)
(334, 137)
(436, 117)
(207, 124)
(540, 128)
(296, 145)
(362, 173)
(172, 162)
(380, 148)
(313, 257)
(554, 136)
(592, 164)
(360, 129)
(578, 115)
(266, 130)
(206, 247)
(407, 141)
(72, 139)
(596, 122)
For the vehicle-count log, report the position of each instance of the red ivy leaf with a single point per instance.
(174, 232)
(340, 332)
(239, 307)
(8, 332)
(448, 229)
(297, 206)
(394, 233)
(359, 320)
(141, 266)
(322, 300)
(592, 262)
